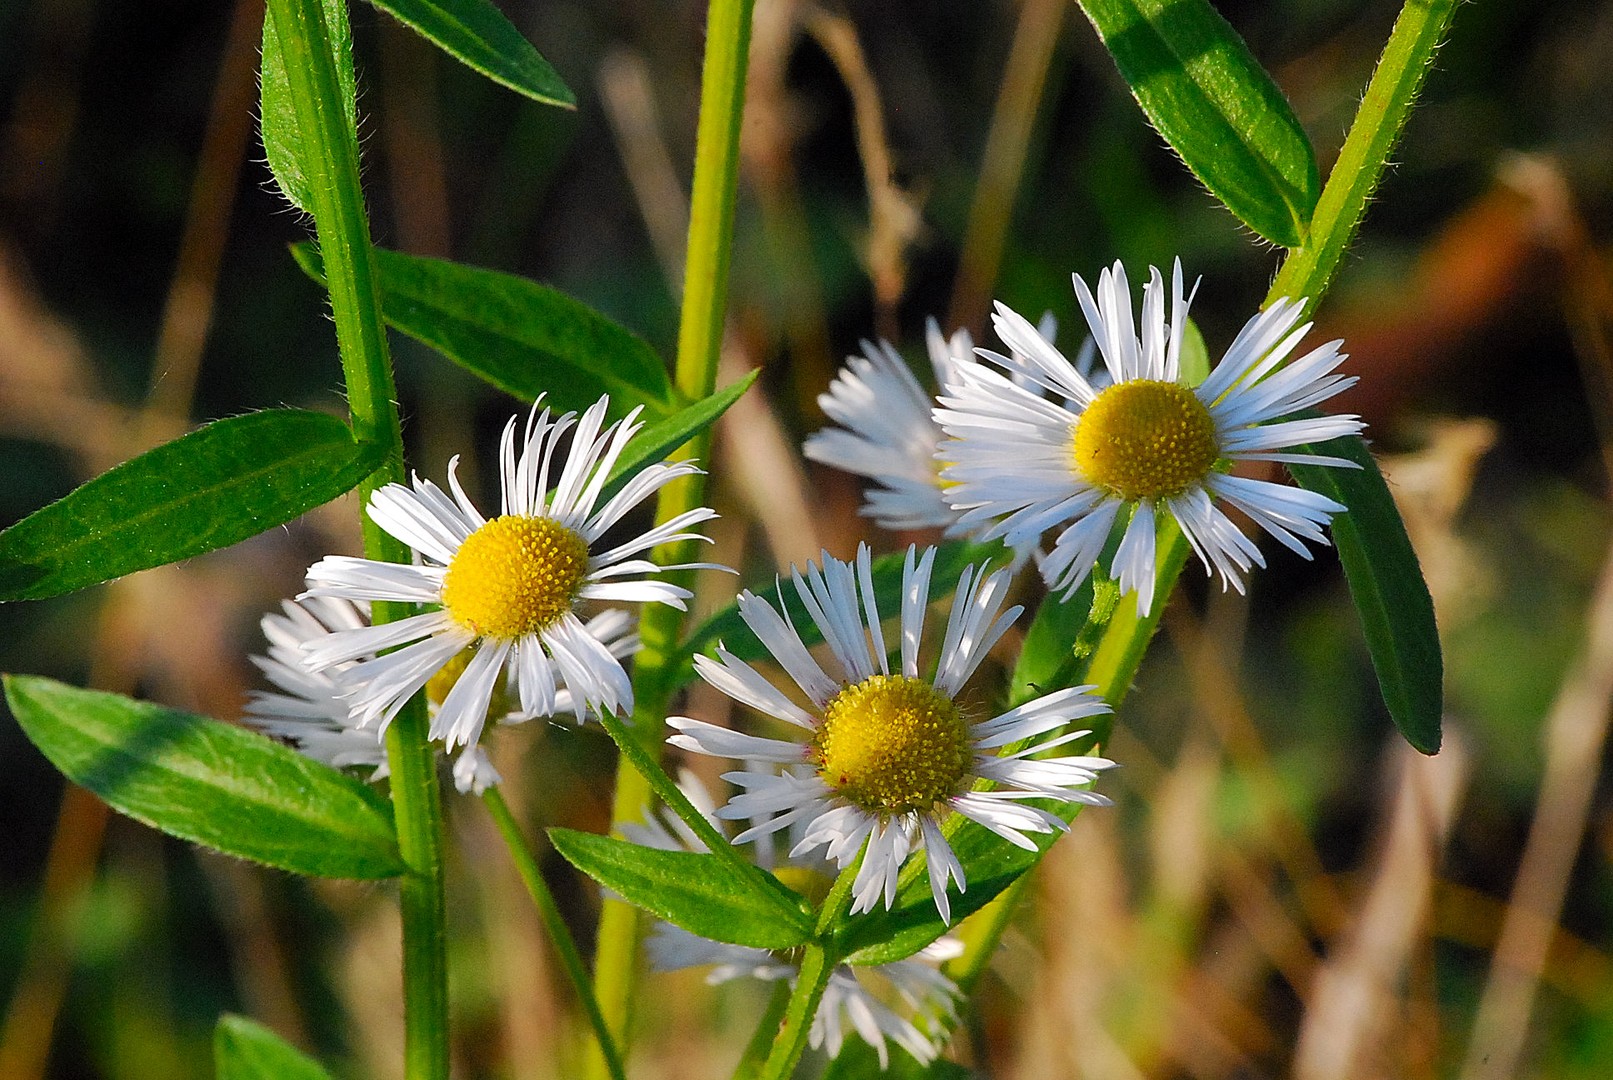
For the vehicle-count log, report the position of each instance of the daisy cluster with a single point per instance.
(501, 634)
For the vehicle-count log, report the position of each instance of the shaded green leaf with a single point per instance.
(208, 782)
(217, 485)
(477, 34)
(659, 438)
(281, 141)
(245, 1050)
(859, 1061)
(741, 905)
(1216, 106)
(727, 627)
(1386, 583)
(522, 337)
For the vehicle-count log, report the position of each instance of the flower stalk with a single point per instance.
(705, 298)
(330, 161)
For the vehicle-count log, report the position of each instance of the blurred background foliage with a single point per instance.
(1284, 888)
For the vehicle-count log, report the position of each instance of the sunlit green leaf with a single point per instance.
(524, 338)
(478, 35)
(1217, 107)
(1195, 356)
(281, 141)
(697, 891)
(1386, 583)
(244, 1050)
(212, 783)
(215, 486)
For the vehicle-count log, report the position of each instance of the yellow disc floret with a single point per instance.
(1144, 439)
(515, 576)
(891, 744)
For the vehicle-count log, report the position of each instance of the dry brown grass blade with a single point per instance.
(755, 452)
(894, 221)
(1002, 161)
(1575, 733)
(1355, 1016)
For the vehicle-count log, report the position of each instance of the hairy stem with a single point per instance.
(330, 162)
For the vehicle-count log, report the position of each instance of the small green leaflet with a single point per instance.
(281, 140)
(1216, 106)
(656, 440)
(245, 1050)
(208, 782)
(1386, 583)
(696, 891)
(477, 34)
(522, 337)
(220, 484)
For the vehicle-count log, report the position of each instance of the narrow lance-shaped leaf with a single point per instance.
(1386, 583)
(658, 439)
(217, 485)
(477, 34)
(208, 782)
(522, 337)
(696, 891)
(281, 142)
(1217, 107)
(245, 1050)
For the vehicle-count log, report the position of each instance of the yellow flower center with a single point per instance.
(438, 686)
(1144, 439)
(515, 576)
(891, 744)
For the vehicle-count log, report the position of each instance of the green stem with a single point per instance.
(330, 162)
(1417, 33)
(526, 864)
(1306, 272)
(705, 299)
(818, 961)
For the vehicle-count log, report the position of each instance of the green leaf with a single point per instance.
(1216, 106)
(739, 904)
(1195, 356)
(1048, 657)
(281, 140)
(213, 487)
(1386, 583)
(244, 1050)
(211, 783)
(524, 338)
(477, 34)
(658, 439)
(727, 627)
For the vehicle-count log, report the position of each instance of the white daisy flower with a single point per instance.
(309, 711)
(509, 585)
(891, 753)
(888, 434)
(1144, 445)
(860, 998)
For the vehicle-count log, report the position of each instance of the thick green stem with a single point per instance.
(818, 961)
(1306, 272)
(705, 299)
(526, 864)
(329, 159)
